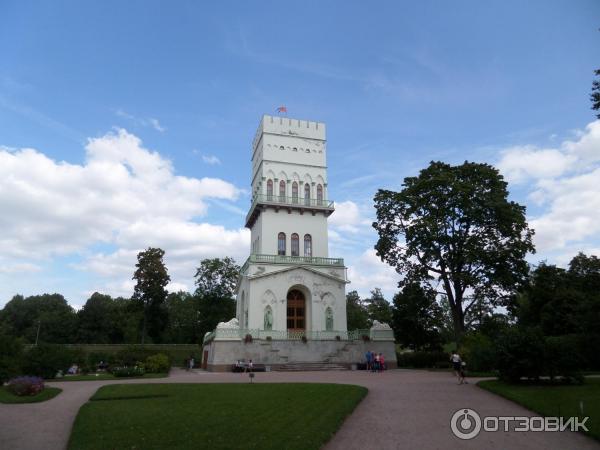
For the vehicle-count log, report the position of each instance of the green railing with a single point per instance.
(290, 201)
(287, 335)
(284, 259)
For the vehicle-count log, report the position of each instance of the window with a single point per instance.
(282, 191)
(281, 148)
(306, 194)
(295, 245)
(270, 190)
(294, 192)
(281, 244)
(319, 194)
(328, 319)
(307, 245)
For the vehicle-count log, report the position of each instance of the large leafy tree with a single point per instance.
(183, 318)
(454, 229)
(216, 280)
(48, 313)
(378, 307)
(98, 321)
(356, 312)
(417, 317)
(563, 301)
(151, 280)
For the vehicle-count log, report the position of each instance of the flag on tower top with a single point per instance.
(282, 109)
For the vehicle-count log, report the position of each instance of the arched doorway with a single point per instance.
(296, 311)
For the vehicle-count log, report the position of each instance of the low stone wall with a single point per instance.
(221, 355)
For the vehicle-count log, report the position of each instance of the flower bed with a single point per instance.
(23, 386)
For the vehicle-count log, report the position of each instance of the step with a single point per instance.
(309, 366)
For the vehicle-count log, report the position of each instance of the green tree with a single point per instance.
(595, 95)
(48, 313)
(183, 318)
(453, 228)
(98, 321)
(151, 280)
(216, 280)
(378, 307)
(356, 312)
(417, 317)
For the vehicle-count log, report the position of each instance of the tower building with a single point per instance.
(291, 295)
(289, 283)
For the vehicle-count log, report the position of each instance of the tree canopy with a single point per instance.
(454, 229)
(151, 280)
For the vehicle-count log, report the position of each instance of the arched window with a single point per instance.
(306, 194)
(307, 245)
(319, 194)
(270, 190)
(328, 319)
(295, 245)
(294, 192)
(281, 244)
(281, 148)
(282, 191)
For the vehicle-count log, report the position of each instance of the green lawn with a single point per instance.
(8, 397)
(105, 376)
(555, 401)
(214, 416)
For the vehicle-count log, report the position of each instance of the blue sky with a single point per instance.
(177, 89)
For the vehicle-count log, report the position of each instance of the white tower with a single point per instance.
(289, 285)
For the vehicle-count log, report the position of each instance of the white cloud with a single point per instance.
(369, 272)
(565, 181)
(141, 121)
(211, 159)
(521, 163)
(347, 217)
(124, 195)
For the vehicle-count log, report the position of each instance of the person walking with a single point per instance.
(381, 362)
(191, 362)
(376, 363)
(456, 363)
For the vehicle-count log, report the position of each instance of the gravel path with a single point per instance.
(405, 409)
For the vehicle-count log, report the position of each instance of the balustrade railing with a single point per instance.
(293, 335)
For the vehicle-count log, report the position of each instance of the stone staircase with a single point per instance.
(309, 366)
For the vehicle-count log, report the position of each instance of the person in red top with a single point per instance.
(381, 362)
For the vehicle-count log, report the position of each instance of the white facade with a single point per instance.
(289, 283)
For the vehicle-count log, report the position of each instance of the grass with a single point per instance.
(299, 416)
(8, 397)
(105, 376)
(555, 400)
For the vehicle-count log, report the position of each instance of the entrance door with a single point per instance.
(295, 311)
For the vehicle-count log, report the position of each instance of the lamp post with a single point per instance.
(37, 336)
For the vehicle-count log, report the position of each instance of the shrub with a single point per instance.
(421, 360)
(11, 357)
(563, 358)
(479, 352)
(520, 353)
(22, 386)
(158, 363)
(46, 360)
(130, 355)
(128, 371)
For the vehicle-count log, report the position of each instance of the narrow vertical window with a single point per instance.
(306, 194)
(295, 245)
(282, 191)
(281, 244)
(270, 190)
(319, 194)
(307, 245)
(294, 192)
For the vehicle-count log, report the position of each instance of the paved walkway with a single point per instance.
(404, 409)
